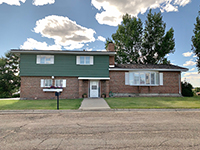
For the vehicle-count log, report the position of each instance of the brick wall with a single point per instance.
(30, 88)
(170, 84)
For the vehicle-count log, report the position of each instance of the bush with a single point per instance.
(187, 89)
(16, 95)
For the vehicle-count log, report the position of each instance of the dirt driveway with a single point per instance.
(93, 130)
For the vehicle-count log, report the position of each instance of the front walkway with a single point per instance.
(94, 104)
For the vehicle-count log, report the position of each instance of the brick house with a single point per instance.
(93, 73)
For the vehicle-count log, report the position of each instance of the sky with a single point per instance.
(86, 24)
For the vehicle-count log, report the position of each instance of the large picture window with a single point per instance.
(143, 78)
(45, 59)
(84, 60)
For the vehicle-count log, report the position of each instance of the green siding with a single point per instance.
(64, 65)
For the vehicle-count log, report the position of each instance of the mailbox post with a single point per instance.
(57, 94)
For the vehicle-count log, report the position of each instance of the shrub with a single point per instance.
(16, 95)
(187, 89)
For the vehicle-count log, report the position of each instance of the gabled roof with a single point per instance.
(22, 51)
(158, 67)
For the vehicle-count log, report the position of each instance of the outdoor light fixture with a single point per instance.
(52, 77)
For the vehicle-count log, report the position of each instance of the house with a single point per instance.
(93, 73)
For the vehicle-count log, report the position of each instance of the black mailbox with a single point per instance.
(57, 93)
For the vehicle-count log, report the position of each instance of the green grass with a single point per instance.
(154, 102)
(39, 104)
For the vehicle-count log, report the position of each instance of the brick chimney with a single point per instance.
(111, 47)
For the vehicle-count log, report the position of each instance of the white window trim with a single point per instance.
(38, 59)
(79, 63)
(42, 83)
(131, 73)
(63, 80)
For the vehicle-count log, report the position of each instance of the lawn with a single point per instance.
(39, 104)
(154, 102)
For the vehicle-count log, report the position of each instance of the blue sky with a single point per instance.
(85, 24)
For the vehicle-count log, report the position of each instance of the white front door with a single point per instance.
(94, 88)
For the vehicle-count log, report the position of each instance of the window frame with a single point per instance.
(46, 62)
(143, 75)
(85, 60)
(63, 82)
(43, 82)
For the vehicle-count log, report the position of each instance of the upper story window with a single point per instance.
(143, 78)
(84, 60)
(45, 59)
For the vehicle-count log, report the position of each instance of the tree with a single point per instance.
(157, 44)
(9, 74)
(186, 89)
(196, 40)
(148, 46)
(128, 40)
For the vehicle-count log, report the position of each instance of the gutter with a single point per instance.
(63, 52)
(147, 69)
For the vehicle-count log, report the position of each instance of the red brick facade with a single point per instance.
(31, 89)
(170, 84)
(30, 86)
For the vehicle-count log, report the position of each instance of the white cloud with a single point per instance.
(42, 2)
(192, 69)
(187, 54)
(88, 49)
(182, 2)
(33, 44)
(195, 56)
(12, 2)
(102, 50)
(64, 31)
(111, 11)
(101, 38)
(193, 78)
(189, 63)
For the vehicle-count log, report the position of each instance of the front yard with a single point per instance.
(154, 102)
(39, 104)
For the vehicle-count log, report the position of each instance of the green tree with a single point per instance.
(9, 74)
(128, 40)
(187, 89)
(137, 45)
(196, 40)
(156, 43)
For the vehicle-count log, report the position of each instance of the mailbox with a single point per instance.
(57, 93)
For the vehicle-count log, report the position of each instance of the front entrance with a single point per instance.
(94, 88)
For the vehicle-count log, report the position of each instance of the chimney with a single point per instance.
(111, 47)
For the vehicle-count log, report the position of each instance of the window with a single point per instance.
(136, 78)
(84, 60)
(46, 82)
(45, 59)
(60, 83)
(143, 78)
